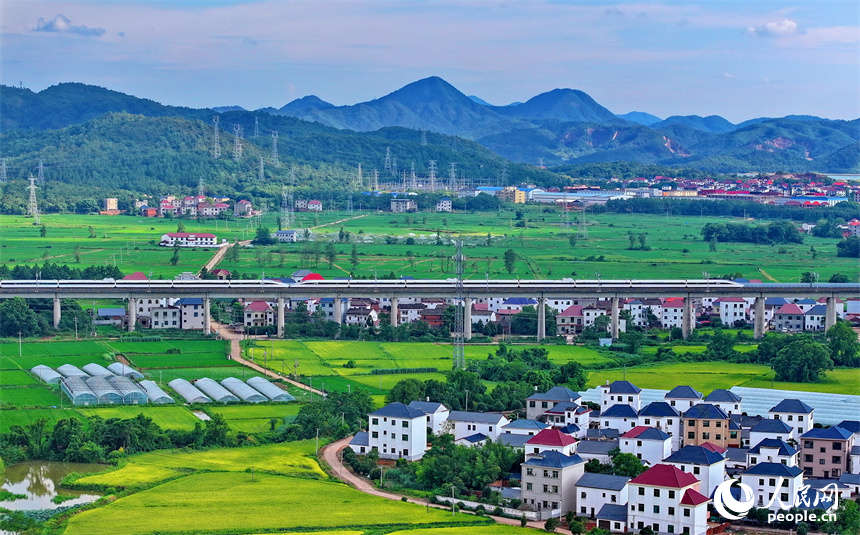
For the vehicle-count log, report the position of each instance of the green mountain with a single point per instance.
(567, 105)
(712, 123)
(639, 117)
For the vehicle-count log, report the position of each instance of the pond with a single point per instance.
(40, 481)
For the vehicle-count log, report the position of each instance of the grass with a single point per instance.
(494, 529)
(184, 360)
(130, 476)
(166, 417)
(52, 349)
(23, 417)
(230, 502)
(256, 418)
(698, 349)
(16, 378)
(34, 396)
(837, 381)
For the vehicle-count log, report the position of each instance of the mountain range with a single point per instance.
(561, 126)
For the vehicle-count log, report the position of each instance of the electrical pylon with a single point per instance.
(32, 206)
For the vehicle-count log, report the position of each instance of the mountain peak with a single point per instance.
(429, 89)
(570, 105)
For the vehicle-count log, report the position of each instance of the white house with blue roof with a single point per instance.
(548, 482)
(770, 429)
(620, 417)
(767, 479)
(622, 393)
(524, 427)
(191, 312)
(593, 490)
(795, 413)
(772, 450)
(464, 424)
(538, 403)
(665, 417)
(518, 303)
(397, 431)
(649, 444)
(437, 414)
(726, 400)
(683, 397)
(706, 465)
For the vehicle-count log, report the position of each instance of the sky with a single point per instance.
(737, 59)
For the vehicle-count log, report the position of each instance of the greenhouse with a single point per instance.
(243, 391)
(104, 391)
(271, 391)
(118, 368)
(155, 393)
(96, 369)
(46, 374)
(69, 370)
(188, 391)
(131, 393)
(78, 391)
(215, 391)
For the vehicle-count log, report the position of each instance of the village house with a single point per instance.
(437, 414)
(707, 465)
(524, 427)
(668, 501)
(770, 428)
(789, 318)
(825, 452)
(463, 423)
(767, 479)
(548, 482)
(648, 444)
(540, 402)
(708, 423)
(683, 397)
(551, 439)
(593, 490)
(243, 208)
(397, 431)
(731, 309)
(188, 239)
(620, 392)
(726, 400)
(192, 313)
(665, 417)
(795, 413)
(403, 205)
(286, 236)
(444, 205)
(259, 314)
(772, 450)
(315, 206)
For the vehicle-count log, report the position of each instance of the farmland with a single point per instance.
(676, 247)
(202, 492)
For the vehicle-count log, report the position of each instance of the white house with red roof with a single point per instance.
(259, 314)
(189, 239)
(243, 208)
(668, 501)
(570, 321)
(789, 318)
(551, 439)
(672, 313)
(315, 206)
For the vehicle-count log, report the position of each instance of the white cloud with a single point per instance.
(782, 28)
(61, 24)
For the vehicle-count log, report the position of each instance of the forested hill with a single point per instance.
(122, 152)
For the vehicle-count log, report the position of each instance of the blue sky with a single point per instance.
(730, 58)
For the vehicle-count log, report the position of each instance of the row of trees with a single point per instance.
(34, 317)
(52, 271)
(776, 232)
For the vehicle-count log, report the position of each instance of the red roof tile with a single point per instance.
(574, 311)
(136, 276)
(713, 447)
(664, 475)
(789, 308)
(313, 277)
(635, 432)
(691, 497)
(551, 437)
(258, 306)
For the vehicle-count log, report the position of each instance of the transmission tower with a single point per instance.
(582, 233)
(237, 142)
(413, 178)
(32, 206)
(432, 175)
(565, 216)
(41, 178)
(374, 186)
(3, 178)
(388, 158)
(216, 141)
(261, 174)
(360, 179)
(452, 177)
(200, 189)
(540, 163)
(504, 178)
(394, 167)
(286, 212)
(275, 160)
(459, 334)
(403, 177)
(423, 137)
(256, 127)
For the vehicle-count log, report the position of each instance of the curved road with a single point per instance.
(331, 455)
(236, 354)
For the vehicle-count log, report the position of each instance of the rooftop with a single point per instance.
(665, 475)
(773, 469)
(706, 411)
(602, 481)
(477, 417)
(830, 433)
(556, 393)
(722, 395)
(794, 406)
(398, 410)
(699, 455)
(771, 426)
(684, 392)
(551, 437)
(554, 459)
(646, 433)
(774, 443)
(623, 387)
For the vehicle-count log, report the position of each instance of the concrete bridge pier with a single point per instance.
(132, 313)
(541, 318)
(614, 327)
(830, 313)
(394, 311)
(280, 320)
(758, 318)
(57, 312)
(338, 310)
(687, 319)
(467, 319)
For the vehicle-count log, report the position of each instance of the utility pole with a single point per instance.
(237, 142)
(216, 141)
(32, 206)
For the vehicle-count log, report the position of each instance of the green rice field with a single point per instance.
(165, 416)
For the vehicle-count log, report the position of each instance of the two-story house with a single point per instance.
(773, 483)
(464, 424)
(648, 444)
(593, 490)
(772, 450)
(540, 402)
(825, 452)
(795, 413)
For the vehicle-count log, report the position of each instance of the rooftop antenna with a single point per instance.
(459, 356)
(41, 178)
(452, 177)
(275, 149)
(32, 207)
(432, 175)
(237, 142)
(3, 178)
(216, 142)
(256, 127)
(388, 158)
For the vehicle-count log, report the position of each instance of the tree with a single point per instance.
(601, 323)
(263, 237)
(406, 391)
(353, 257)
(808, 277)
(551, 524)
(330, 254)
(643, 237)
(847, 519)
(510, 260)
(843, 344)
(838, 278)
(174, 260)
(802, 361)
(712, 245)
(43, 230)
(626, 464)
(571, 239)
(849, 247)
(92, 231)
(180, 227)
(632, 238)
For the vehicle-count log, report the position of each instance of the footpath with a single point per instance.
(331, 454)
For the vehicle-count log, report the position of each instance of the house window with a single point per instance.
(375, 421)
(706, 436)
(836, 459)
(404, 437)
(837, 446)
(696, 470)
(670, 528)
(671, 510)
(641, 491)
(405, 423)
(529, 472)
(656, 494)
(641, 507)
(807, 458)
(671, 494)
(374, 434)
(582, 495)
(528, 486)
(691, 435)
(706, 423)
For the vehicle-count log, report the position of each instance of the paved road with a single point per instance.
(236, 354)
(331, 455)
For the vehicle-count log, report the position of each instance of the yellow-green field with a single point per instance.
(217, 492)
